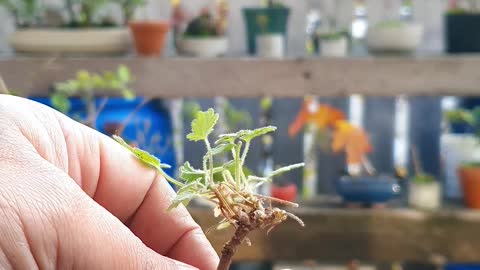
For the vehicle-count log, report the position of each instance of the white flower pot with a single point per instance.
(425, 196)
(91, 41)
(334, 47)
(203, 47)
(270, 45)
(404, 37)
(456, 149)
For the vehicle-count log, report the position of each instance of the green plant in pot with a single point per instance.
(274, 24)
(461, 24)
(333, 43)
(469, 172)
(425, 191)
(204, 35)
(87, 28)
(235, 203)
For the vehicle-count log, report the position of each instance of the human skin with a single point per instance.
(72, 198)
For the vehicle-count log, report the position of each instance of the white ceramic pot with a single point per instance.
(456, 149)
(92, 41)
(270, 45)
(334, 47)
(425, 196)
(203, 47)
(404, 37)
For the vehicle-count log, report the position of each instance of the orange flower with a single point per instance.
(353, 140)
(321, 115)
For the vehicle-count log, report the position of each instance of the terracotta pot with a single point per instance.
(470, 181)
(149, 36)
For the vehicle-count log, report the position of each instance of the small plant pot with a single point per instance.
(461, 33)
(287, 192)
(277, 18)
(470, 182)
(368, 190)
(64, 41)
(455, 150)
(398, 38)
(334, 47)
(149, 37)
(203, 47)
(425, 196)
(270, 45)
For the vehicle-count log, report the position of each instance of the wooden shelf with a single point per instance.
(243, 77)
(380, 235)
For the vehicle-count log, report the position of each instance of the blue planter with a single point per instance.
(149, 129)
(462, 267)
(367, 189)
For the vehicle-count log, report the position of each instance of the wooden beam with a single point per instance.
(190, 77)
(368, 235)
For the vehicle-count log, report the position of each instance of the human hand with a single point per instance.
(71, 198)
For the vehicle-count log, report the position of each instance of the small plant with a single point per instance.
(86, 84)
(231, 192)
(208, 23)
(420, 177)
(470, 118)
(26, 13)
(80, 13)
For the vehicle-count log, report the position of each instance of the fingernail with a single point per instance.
(184, 266)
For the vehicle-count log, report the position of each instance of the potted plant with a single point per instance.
(205, 34)
(148, 35)
(142, 121)
(271, 23)
(461, 23)
(424, 192)
(84, 31)
(235, 202)
(394, 36)
(333, 44)
(469, 171)
(361, 184)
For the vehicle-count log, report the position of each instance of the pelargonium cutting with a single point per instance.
(226, 185)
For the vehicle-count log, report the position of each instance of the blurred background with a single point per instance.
(377, 97)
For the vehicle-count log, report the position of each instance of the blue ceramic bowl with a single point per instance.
(367, 189)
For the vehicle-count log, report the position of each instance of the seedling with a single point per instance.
(227, 185)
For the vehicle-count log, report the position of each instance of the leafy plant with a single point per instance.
(129, 7)
(232, 192)
(206, 24)
(333, 35)
(85, 85)
(25, 12)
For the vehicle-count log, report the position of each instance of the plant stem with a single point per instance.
(231, 247)
(238, 164)
(245, 151)
(210, 160)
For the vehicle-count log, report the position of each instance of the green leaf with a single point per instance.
(221, 148)
(248, 135)
(142, 155)
(181, 198)
(189, 174)
(128, 94)
(60, 102)
(203, 125)
(123, 74)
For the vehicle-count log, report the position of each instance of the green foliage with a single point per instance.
(129, 7)
(26, 12)
(203, 125)
(85, 84)
(423, 178)
(230, 178)
(202, 26)
(460, 116)
(333, 35)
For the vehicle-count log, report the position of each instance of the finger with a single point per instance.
(118, 182)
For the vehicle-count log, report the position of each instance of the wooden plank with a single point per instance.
(189, 77)
(368, 235)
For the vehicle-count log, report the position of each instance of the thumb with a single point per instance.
(94, 239)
